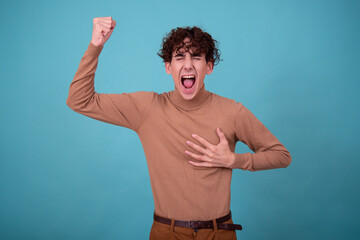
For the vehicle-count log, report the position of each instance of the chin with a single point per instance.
(188, 96)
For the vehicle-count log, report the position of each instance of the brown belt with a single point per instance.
(201, 224)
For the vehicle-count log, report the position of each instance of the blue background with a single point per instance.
(294, 64)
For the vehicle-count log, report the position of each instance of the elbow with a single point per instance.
(79, 104)
(286, 160)
(70, 103)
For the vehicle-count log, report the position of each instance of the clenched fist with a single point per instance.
(102, 30)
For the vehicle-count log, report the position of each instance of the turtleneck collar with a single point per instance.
(176, 98)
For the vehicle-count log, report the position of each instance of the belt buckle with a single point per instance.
(194, 224)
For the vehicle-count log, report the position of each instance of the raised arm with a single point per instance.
(126, 109)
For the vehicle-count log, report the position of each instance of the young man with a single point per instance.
(188, 134)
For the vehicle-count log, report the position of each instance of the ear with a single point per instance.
(168, 67)
(210, 67)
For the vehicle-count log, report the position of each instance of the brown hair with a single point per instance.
(200, 42)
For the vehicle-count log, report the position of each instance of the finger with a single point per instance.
(203, 142)
(198, 148)
(108, 34)
(101, 29)
(193, 155)
(113, 24)
(105, 30)
(198, 157)
(221, 135)
(104, 25)
(203, 164)
(102, 20)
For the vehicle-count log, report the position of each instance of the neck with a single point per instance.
(197, 101)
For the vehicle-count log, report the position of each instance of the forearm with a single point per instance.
(278, 157)
(82, 88)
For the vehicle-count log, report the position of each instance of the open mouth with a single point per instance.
(188, 81)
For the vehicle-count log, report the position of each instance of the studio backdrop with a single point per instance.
(294, 64)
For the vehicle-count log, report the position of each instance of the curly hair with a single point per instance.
(199, 42)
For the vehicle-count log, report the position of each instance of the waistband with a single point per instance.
(201, 224)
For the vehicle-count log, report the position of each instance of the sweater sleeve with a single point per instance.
(126, 109)
(269, 153)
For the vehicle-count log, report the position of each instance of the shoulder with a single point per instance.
(229, 103)
(145, 97)
(142, 94)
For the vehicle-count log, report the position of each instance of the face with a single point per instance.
(188, 72)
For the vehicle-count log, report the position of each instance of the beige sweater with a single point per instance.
(164, 122)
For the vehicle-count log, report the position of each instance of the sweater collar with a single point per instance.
(176, 98)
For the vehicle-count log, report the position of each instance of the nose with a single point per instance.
(188, 63)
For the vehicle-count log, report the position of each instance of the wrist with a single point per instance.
(232, 160)
(95, 43)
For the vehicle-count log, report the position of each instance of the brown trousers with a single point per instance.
(160, 231)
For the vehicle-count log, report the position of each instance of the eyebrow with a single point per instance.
(179, 55)
(182, 54)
